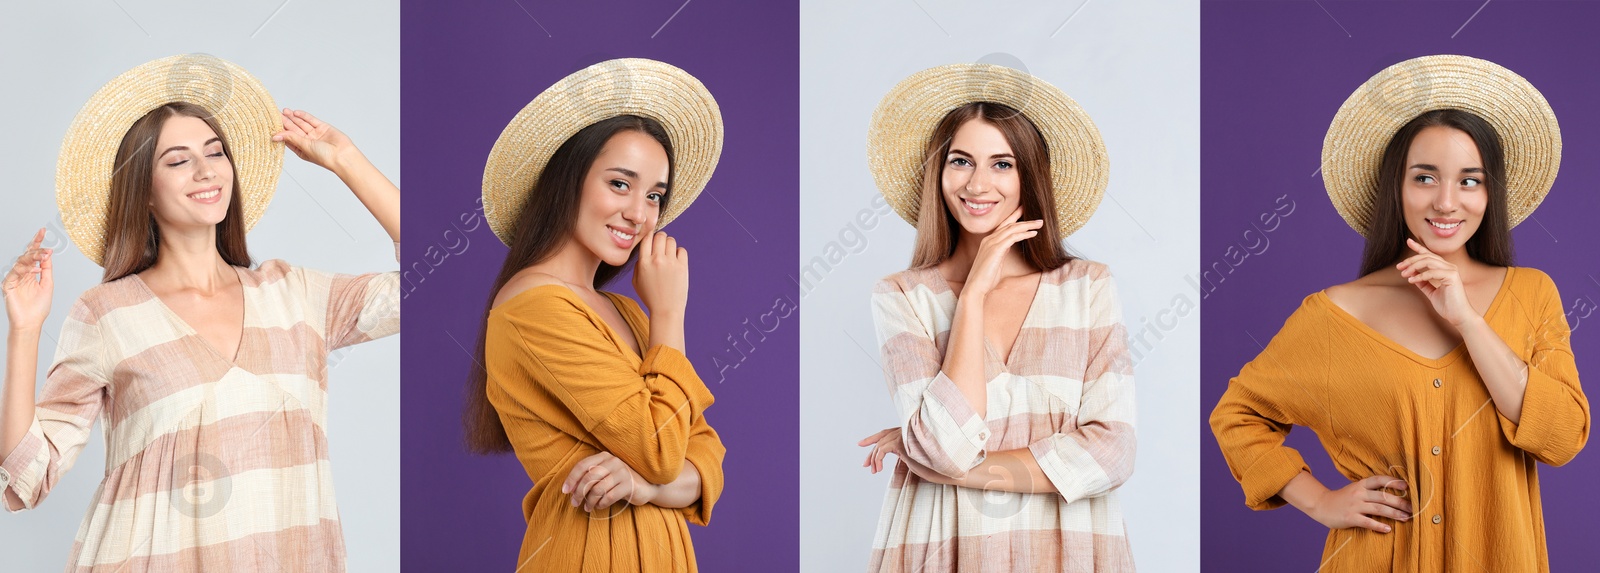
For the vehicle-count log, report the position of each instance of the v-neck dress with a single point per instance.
(212, 463)
(566, 387)
(1381, 409)
(1065, 394)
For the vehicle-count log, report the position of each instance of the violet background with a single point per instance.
(1272, 76)
(467, 68)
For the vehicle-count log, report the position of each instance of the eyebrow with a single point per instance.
(1427, 167)
(183, 147)
(634, 175)
(995, 156)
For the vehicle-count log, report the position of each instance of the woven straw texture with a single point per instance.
(908, 114)
(1353, 148)
(629, 86)
(246, 112)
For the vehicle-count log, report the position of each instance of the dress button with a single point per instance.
(983, 435)
(1438, 518)
(5, 478)
(1437, 383)
(1436, 450)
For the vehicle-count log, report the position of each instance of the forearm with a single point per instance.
(380, 196)
(681, 492)
(1303, 491)
(22, 362)
(963, 356)
(1503, 373)
(666, 329)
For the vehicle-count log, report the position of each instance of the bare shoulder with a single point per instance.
(1371, 293)
(524, 281)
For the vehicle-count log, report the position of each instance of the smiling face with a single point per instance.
(191, 178)
(1443, 195)
(980, 179)
(621, 196)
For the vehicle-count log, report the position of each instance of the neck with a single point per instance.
(573, 264)
(188, 259)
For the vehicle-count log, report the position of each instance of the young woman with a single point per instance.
(209, 375)
(1439, 378)
(1006, 357)
(598, 401)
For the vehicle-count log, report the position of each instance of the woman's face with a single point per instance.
(191, 181)
(621, 197)
(980, 182)
(1443, 195)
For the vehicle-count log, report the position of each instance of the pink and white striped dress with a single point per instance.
(212, 463)
(1065, 394)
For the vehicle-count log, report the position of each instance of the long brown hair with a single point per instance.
(543, 226)
(937, 229)
(133, 240)
(1387, 231)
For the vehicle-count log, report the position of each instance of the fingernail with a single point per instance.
(1387, 529)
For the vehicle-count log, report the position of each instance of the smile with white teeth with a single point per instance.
(1445, 226)
(203, 195)
(977, 206)
(620, 234)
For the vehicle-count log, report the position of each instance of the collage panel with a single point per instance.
(182, 395)
(556, 139)
(1438, 378)
(1056, 460)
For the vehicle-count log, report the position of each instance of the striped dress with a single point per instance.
(1065, 394)
(212, 463)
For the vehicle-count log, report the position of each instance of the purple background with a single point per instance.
(466, 70)
(1272, 76)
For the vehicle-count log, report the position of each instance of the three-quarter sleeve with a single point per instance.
(644, 417)
(1097, 455)
(73, 397)
(706, 452)
(1554, 425)
(1275, 391)
(939, 428)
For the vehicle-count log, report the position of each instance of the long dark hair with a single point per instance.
(543, 225)
(937, 229)
(1387, 231)
(133, 240)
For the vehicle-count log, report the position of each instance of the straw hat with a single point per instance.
(241, 106)
(1354, 146)
(908, 114)
(628, 86)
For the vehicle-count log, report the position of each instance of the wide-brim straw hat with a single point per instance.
(1529, 135)
(904, 121)
(627, 86)
(241, 106)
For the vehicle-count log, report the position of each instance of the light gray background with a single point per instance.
(1134, 66)
(338, 60)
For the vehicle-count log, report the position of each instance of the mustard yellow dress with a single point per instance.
(567, 387)
(1380, 409)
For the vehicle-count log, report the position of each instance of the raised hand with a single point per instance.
(661, 275)
(985, 272)
(1440, 281)
(600, 480)
(313, 139)
(28, 286)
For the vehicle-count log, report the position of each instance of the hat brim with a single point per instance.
(1352, 151)
(241, 106)
(628, 86)
(904, 121)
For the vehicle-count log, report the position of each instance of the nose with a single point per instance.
(1447, 198)
(978, 182)
(204, 171)
(637, 211)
